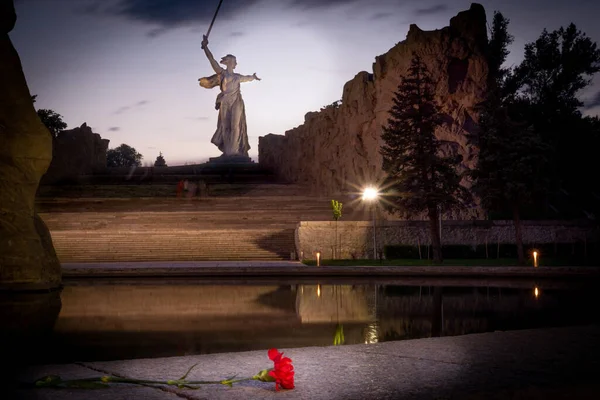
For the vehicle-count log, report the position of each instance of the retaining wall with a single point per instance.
(355, 238)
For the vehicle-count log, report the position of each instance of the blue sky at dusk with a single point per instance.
(130, 68)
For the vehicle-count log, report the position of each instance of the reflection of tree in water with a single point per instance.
(409, 330)
(418, 312)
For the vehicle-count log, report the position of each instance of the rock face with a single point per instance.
(76, 152)
(27, 258)
(337, 149)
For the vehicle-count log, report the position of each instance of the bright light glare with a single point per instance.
(371, 334)
(370, 194)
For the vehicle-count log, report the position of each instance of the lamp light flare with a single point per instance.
(535, 259)
(536, 292)
(370, 193)
(318, 290)
(318, 258)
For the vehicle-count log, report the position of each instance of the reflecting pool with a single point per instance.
(107, 319)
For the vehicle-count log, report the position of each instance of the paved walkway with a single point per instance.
(557, 363)
(294, 268)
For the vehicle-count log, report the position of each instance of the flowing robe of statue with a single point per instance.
(231, 136)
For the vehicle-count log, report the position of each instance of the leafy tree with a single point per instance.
(335, 104)
(52, 120)
(419, 178)
(532, 137)
(336, 208)
(123, 156)
(556, 67)
(160, 161)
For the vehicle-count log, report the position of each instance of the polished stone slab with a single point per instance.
(528, 364)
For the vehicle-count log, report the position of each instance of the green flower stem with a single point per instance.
(114, 379)
(237, 380)
(103, 381)
(136, 381)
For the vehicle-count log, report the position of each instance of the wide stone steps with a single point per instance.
(99, 223)
(209, 245)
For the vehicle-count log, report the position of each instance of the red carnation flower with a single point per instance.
(283, 373)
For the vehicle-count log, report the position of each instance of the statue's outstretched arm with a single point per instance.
(214, 64)
(249, 78)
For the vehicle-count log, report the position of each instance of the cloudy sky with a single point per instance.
(129, 68)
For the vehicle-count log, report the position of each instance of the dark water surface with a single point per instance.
(91, 320)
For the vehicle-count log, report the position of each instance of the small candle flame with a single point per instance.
(536, 292)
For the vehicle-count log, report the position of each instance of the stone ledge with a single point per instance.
(296, 269)
(450, 222)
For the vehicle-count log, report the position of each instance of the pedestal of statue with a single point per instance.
(230, 160)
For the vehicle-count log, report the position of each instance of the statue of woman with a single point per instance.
(231, 136)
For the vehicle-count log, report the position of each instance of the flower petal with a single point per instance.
(285, 369)
(287, 385)
(274, 355)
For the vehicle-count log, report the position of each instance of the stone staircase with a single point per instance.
(257, 224)
(173, 245)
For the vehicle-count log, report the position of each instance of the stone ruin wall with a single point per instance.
(75, 153)
(337, 149)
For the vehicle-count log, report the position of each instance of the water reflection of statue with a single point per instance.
(231, 136)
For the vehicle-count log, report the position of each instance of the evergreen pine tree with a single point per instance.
(499, 179)
(160, 161)
(420, 179)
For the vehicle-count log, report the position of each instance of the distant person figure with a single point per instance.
(179, 188)
(191, 190)
(231, 136)
(202, 188)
